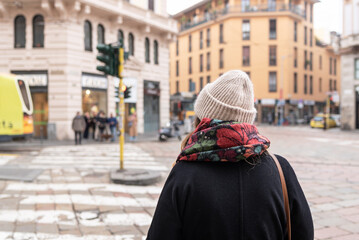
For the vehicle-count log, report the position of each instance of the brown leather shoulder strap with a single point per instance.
(285, 193)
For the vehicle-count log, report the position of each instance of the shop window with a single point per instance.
(100, 34)
(20, 31)
(272, 81)
(155, 51)
(147, 50)
(88, 36)
(246, 30)
(131, 44)
(272, 29)
(38, 25)
(272, 55)
(221, 58)
(246, 56)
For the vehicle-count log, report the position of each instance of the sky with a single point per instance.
(327, 15)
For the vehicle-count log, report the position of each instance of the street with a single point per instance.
(74, 199)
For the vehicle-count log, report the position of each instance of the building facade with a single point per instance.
(349, 50)
(272, 40)
(53, 45)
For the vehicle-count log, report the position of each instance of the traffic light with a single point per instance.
(109, 56)
(126, 91)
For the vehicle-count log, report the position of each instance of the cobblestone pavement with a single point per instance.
(73, 198)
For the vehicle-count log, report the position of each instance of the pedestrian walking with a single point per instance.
(88, 123)
(112, 121)
(101, 124)
(78, 126)
(225, 184)
(132, 124)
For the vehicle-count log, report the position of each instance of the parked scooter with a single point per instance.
(171, 130)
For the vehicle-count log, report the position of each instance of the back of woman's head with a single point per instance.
(229, 98)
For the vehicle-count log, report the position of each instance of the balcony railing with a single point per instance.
(214, 14)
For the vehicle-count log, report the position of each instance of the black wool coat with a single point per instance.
(230, 201)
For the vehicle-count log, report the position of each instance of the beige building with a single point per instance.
(53, 44)
(272, 40)
(349, 50)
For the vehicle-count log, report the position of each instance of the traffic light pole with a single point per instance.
(121, 105)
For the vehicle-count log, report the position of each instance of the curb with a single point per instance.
(139, 177)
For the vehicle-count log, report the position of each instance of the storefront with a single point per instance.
(38, 82)
(151, 103)
(94, 93)
(268, 110)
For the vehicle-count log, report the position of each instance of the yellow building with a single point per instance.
(273, 41)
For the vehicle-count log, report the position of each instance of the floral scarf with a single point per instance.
(216, 140)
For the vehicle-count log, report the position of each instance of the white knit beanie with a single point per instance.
(229, 98)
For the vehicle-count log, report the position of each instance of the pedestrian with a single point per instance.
(270, 119)
(225, 184)
(78, 126)
(112, 121)
(132, 124)
(93, 125)
(101, 122)
(88, 123)
(176, 130)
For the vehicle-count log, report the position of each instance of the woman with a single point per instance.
(224, 184)
(132, 124)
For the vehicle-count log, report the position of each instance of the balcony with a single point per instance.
(349, 41)
(244, 9)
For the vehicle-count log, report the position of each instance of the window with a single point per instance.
(335, 85)
(335, 66)
(295, 57)
(246, 30)
(151, 5)
(120, 35)
(305, 84)
(20, 32)
(245, 5)
(272, 55)
(201, 40)
(155, 51)
(221, 33)
(271, 5)
(88, 36)
(201, 83)
(192, 86)
(208, 61)
(147, 50)
(320, 62)
(330, 85)
(272, 81)
(311, 37)
(311, 85)
(305, 10)
(221, 63)
(311, 61)
(305, 59)
(201, 63)
(249, 74)
(272, 29)
(131, 44)
(177, 47)
(305, 35)
(246, 56)
(177, 86)
(190, 43)
(208, 79)
(38, 25)
(320, 84)
(100, 34)
(311, 13)
(177, 68)
(190, 65)
(295, 31)
(295, 83)
(330, 65)
(208, 37)
(356, 68)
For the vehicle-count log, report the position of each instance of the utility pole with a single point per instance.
(122, 103)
